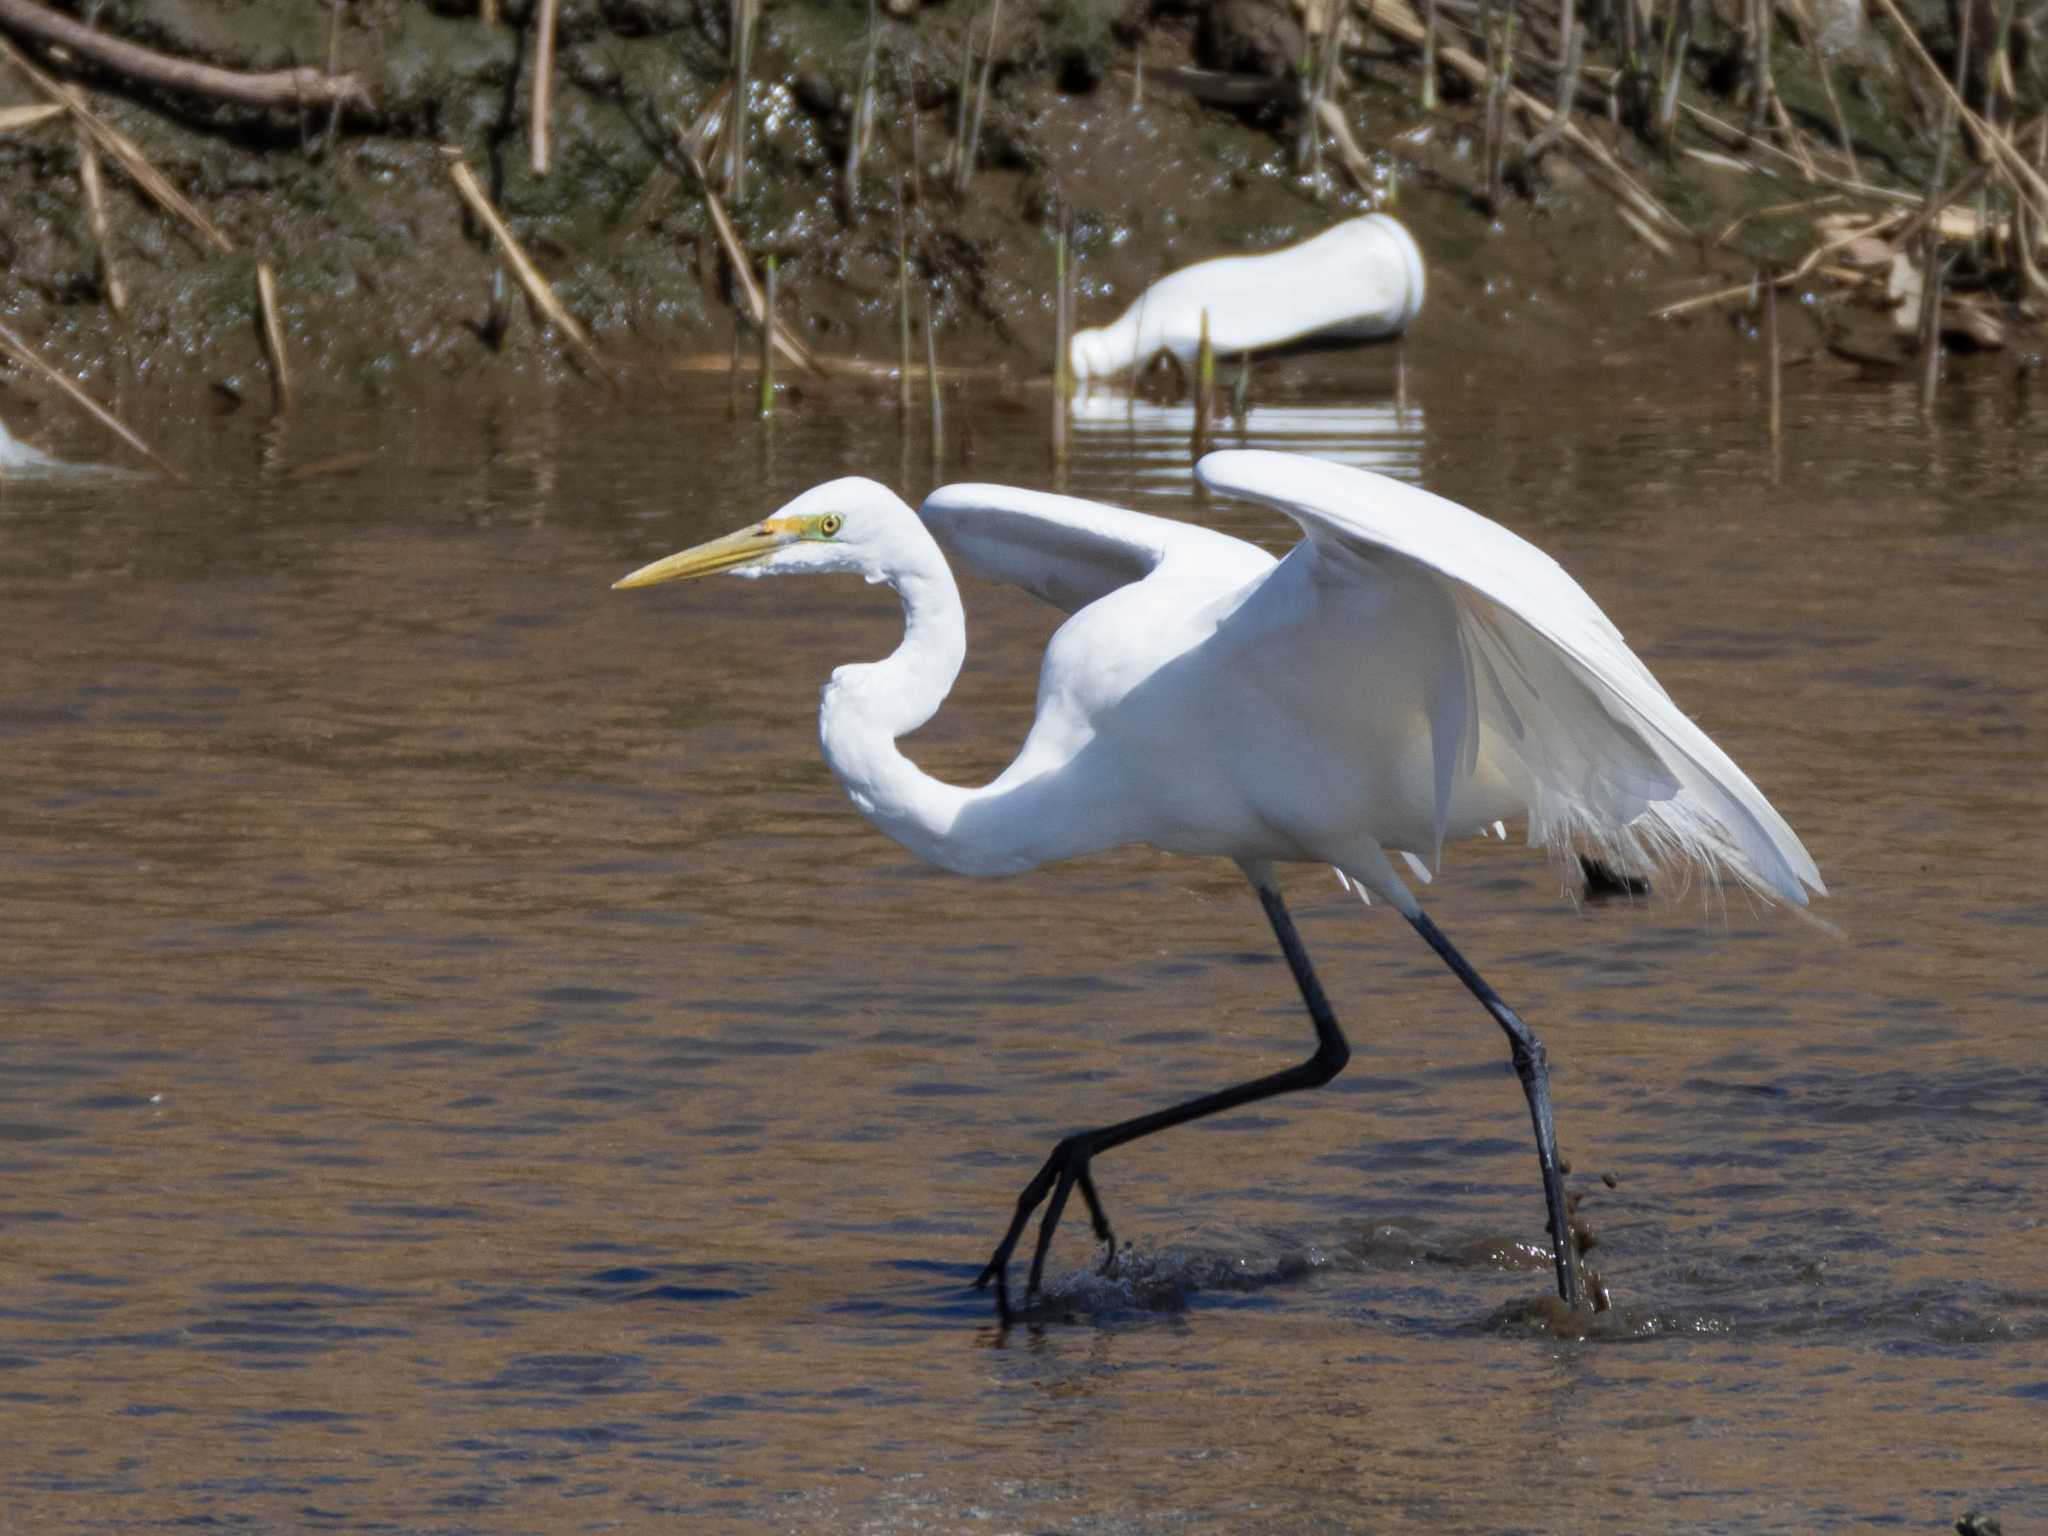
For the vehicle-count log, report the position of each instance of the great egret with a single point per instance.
(1408, 672)
(1357, 280)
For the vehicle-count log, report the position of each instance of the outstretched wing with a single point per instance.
(1543, 675)
(1070, 552)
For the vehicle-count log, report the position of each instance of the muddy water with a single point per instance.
(465, 1068)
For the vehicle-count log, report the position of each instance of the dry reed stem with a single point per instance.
(273, 335)
(765, 405)
(1353, 158)
(1606, 172)
(1933, 270)
(1731, 134)
(1772, 392)
(1429, 56)
(96, 216)
(916, 137)
(1500, 81)
(744, 13)
(121, 147)
(536, 286)
(964, 172)
(2024, 177)
(1061, 321)
(333, 65)
(14, 119)
(301, 87)
(1757, 19)
(544, 20)
(333, 464)
(1795, 138)
(931, 372)
(858, 141)
(1327, 49)
(728, 237)
(1802, 23)
(1547, 137)
(1746, 292)
(27, 355)
(902, 306)
(1671, 76)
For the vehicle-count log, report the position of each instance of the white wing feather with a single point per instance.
(1545, 675)
(1070, 552)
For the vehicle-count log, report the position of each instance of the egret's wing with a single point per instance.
(1069, 551)
(1539, 671)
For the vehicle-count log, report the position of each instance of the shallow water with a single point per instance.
(467, 1069)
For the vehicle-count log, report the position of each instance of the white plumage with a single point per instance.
(1410, 672)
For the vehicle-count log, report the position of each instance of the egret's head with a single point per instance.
(843, 525)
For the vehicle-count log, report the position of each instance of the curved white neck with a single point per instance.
(866, 707)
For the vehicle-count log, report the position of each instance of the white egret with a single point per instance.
(1409, 672)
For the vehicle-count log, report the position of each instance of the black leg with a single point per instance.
(1068, 1169)
(1531, 1066)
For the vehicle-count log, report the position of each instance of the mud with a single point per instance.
(383, 277)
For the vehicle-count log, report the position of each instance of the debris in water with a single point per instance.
(1361, 280)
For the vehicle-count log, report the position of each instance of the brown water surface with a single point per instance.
(465, 1067)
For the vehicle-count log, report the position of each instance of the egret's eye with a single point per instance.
(830, 524)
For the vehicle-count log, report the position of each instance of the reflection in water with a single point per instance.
(467, 1069)
(1147, 444)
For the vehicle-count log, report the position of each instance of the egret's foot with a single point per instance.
(1064, 1171)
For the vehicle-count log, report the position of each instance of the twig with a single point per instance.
(1933, 270)
(333, 67)
(765, 407)
(96, 215)
(1801, 23)
(1746, 291)
(863, 119)
(1772, 393)
(1733, 136)
(1500, 77)
(1550, 133)
(1757, 16)
(543, 80)
(902, 307)
(964, 172)
(106, 418)
(931, 373)
(743, 15)
(122, 148)
(536, 286)
(958, 147)
(1429, 55)
(728, 237)
(273, 334)
(1061, 384)
(2035, 186)
(1605, 171)
(14, 119)
(1676, 42)
(300, 87)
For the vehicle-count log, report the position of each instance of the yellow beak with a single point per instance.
(735, 549)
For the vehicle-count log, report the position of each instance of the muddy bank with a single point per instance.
(1170, 131)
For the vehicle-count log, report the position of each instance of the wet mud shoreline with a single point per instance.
(1161, 133)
